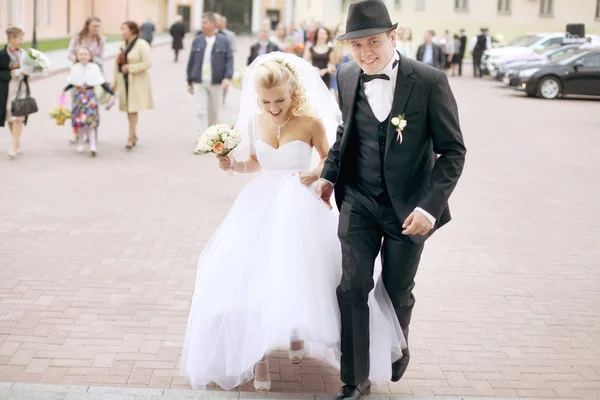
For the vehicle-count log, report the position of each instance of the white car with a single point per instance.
(523, 46)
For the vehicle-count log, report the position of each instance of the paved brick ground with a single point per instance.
(41, 391)
(98, 256)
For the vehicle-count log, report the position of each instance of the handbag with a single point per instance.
(23, 106)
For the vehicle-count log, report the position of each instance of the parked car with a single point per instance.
(525, 45)
(535, 60)
(577, 73)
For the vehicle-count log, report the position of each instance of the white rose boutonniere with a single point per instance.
(400, 123)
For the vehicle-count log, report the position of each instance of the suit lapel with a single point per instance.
(353, 79)
(404, 86)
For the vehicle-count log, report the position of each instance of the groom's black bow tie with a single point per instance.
(368, 78)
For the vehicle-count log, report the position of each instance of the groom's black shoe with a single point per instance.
(399, 367)
(348, 392)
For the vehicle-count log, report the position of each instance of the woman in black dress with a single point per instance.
(322, 56)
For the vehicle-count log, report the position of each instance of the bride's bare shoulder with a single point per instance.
(312, 123)
(309, 120)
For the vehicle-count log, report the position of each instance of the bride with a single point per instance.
(268, 275)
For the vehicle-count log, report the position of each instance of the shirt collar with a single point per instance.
(388, 69)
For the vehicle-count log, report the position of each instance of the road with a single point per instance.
(98, 256)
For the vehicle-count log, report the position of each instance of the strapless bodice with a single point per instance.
(294, 156)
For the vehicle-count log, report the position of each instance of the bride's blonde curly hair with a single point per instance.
(277, 72)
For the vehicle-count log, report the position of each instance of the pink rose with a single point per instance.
(218, 147)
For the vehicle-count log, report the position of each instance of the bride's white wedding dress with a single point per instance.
(269, 272)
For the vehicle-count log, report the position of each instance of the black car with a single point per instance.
(547, 57)
(577, 73)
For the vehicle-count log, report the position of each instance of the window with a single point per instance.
(552, 42)
(592, 60)
(48, 12)
(504, 6)
(524, 41)
(461, 5)
(420, 5)
(560, 54)
(547, 8)
(9, 12)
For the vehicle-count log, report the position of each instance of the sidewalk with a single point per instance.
(28, 391)
(59, 61)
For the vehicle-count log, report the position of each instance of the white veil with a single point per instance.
(321, 101)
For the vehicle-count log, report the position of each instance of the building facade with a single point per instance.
(505, 18)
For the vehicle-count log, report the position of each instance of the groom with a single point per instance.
(390, 186)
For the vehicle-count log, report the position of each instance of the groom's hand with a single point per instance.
(324, 191)
(416, 224)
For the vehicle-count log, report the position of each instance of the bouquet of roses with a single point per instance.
(299, 49)
(296, 48)
(238, 78)
(36, 60)
(219, 139)
(61, 113)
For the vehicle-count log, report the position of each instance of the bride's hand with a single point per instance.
(308, 178)
(225, 163)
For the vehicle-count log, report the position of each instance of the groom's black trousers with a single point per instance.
(367, 226)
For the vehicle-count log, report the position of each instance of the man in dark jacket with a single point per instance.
(209, 71)
(479, 45)
(263, 46)
(177, 32)
(430, 53)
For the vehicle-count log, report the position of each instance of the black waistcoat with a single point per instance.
(480, 44)
(370, 137)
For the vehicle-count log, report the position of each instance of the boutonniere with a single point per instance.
(400, 123)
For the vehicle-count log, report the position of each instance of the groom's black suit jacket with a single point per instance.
(414, 176)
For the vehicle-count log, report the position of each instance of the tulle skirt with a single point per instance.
(269, 274)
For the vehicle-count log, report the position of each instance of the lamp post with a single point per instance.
(68, 17)
(35, 20)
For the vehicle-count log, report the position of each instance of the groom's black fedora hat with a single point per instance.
(367, 18)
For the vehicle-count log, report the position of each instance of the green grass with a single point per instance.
(62, 43)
